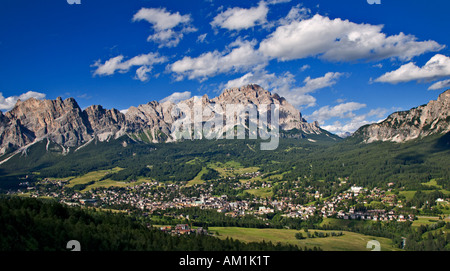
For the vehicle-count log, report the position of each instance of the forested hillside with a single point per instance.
(36, 225)
(406, 164)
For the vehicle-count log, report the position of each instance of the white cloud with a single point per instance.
(241, 56)
(116, 64)
(240, 18)
(340, 40)
(329, 79)
(142, 73)
(201, 38)
(298, 99)
(304, 67)
(348, 121)
(379, 113)
(302, 37)
(9, 102)
(160, 18)
(301, 96)
(261, 77)
(177, 97)
(379, 65)
(296, 13)
(163, 23)
(437, 67)
(351, 126)
(440, 85)
(344, 110)
(274, 2)
(166, 38)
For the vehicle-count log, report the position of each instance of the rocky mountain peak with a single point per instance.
(444, 97)
(105, 123)
(61, 121)
(290, 117)
(66, 124)
(432, 118)
(249, 93)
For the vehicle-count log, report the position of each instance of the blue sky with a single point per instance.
(344, 63)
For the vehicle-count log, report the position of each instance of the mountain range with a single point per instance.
(64, 123)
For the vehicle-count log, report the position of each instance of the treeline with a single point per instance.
(392, 230)
(212, 218)
(435, 237)
(317, 234)
(425, 200)
(35, 225)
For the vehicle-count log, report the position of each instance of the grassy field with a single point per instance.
(231, 169)
(348, 242)
(433, 183)
(112, 183)
(91, 176)
(410, 194)
(234, 169)
(198, 179)
(262, 192)
(425, 220)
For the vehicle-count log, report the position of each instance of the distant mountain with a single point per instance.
(425, 120)
(64, 123)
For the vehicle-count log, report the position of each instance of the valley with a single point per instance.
(315, 191)
(288, 189)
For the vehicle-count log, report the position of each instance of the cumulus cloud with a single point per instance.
(300, 36)
(177, 97)
(298, 99)
(116, 64)
(8, 103)
(301, 96)
(329, 79)
(160, 18)
(296, 13)
(240, 18)
(437, 67)
(347, 120)
(142, 73)
(340, 40)
(440, 85)
(344, 110)
(342, 129)
(266, 80)
(166, 38)
(163, 24)
(305, 67)
(241, 56)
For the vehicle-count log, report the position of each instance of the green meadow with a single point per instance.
(349, 241)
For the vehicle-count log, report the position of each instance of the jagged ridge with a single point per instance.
(425, 120)
(66, 124)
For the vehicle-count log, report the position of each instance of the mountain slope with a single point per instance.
(63, 122)
(425, 120)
